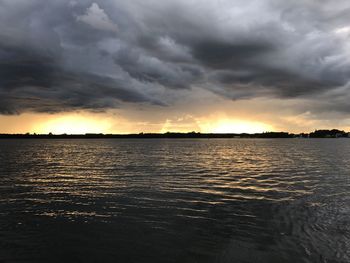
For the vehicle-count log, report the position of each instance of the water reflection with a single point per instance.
(175, 200)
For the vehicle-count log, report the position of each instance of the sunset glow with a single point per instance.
(238, 126)
(74, 124)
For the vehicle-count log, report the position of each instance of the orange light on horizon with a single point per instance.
(236, 126)
(74, 124)
(83, 122)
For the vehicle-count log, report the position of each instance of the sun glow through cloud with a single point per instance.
(238, 126)
(75, 124)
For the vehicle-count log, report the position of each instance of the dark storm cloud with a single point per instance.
(31, 81)
(154, 70)
(62, 55)
(273, 83)
(227, 55)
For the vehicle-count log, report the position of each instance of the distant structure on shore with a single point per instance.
(316, 134)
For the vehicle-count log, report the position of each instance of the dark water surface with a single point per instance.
(278, 200)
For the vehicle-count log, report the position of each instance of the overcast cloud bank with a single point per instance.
(61, 55)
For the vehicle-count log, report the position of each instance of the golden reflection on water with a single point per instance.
(210, 192)
(217, 171)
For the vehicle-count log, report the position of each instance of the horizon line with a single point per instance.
(325, 133)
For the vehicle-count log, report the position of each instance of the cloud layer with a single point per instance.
(64, 55)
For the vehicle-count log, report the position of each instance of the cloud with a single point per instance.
(152, 69)
(97, 18)
(65, 55)
(32, 81)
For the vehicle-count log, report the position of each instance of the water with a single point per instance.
(278, 200)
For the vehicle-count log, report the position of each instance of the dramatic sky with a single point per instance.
(127, 66)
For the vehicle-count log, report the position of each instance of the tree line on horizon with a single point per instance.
(334, 133)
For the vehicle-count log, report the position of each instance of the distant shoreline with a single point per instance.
(174, 135)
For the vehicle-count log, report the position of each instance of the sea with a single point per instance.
(175, 200)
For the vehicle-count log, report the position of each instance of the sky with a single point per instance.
(117, 66)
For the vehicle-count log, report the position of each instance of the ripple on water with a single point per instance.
(175, 200)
